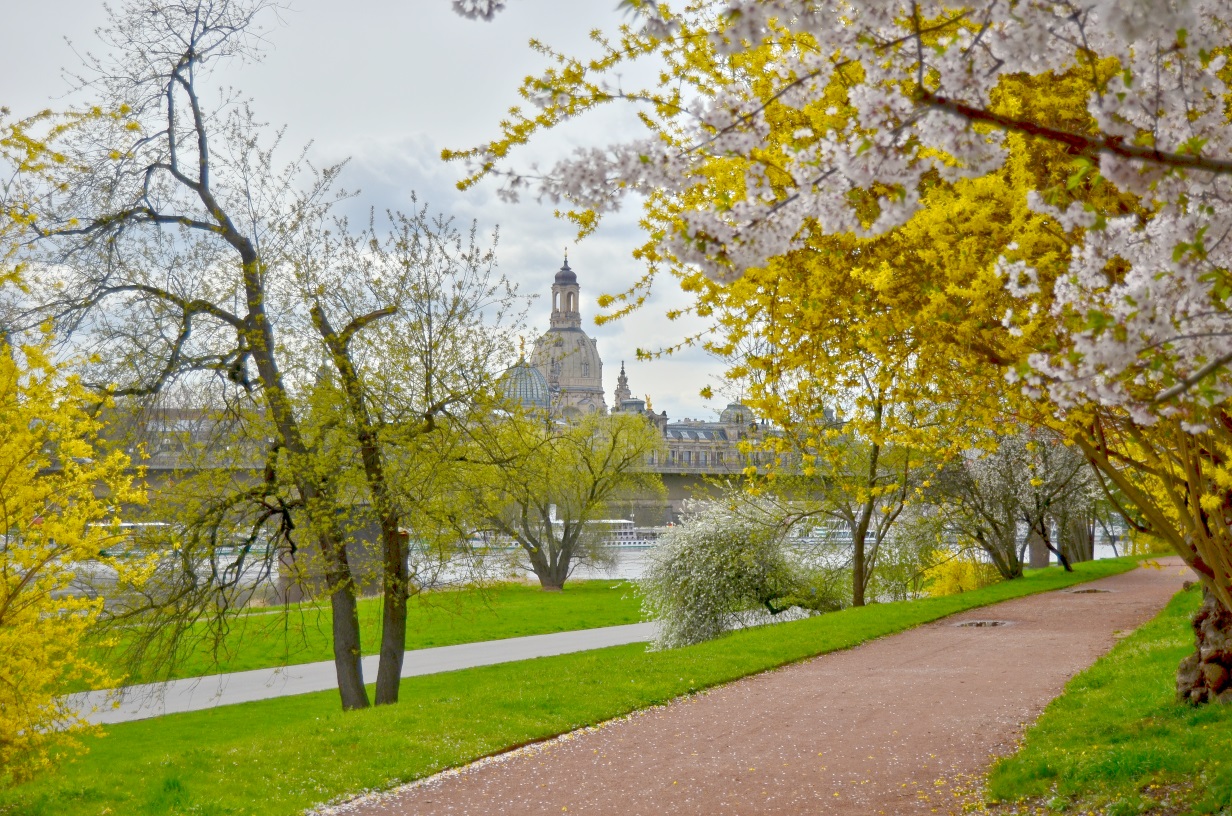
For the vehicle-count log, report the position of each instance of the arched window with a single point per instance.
(572, 307)
(556, 301)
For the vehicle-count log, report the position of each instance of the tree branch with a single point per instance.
(1088, 145)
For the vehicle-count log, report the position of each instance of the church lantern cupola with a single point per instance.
(566, 297)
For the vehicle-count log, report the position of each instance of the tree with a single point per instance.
(860, 472)
(550, 484)
(51, 524)
(727, 561)
(1024, 482)
(428, 326)
(169, 240)
(774, 129)
(859, 412)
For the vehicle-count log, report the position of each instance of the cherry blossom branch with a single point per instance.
(1085, 145)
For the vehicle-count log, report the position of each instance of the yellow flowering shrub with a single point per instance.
(961, 572)
(55, 495)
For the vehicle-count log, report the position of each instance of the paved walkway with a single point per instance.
(196, 693)
(885, 728)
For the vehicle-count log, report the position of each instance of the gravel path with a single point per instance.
(871, 730)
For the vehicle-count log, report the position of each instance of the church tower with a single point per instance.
(622, 388)
(566, 356)
(566, 295)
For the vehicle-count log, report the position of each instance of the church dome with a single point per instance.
(736, 414)
(524, 384)
(566, 275)
(571, 359)
(566, 357)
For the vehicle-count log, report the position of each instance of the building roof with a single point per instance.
(736, 414)
(700, 433)
(566, 275)
(525, 385)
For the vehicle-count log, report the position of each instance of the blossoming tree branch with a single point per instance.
(1086, 144)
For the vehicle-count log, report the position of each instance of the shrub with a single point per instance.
(726, 566)
(961, 571)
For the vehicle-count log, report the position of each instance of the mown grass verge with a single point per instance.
(1117, 743)
(281, 756)
(264, 638)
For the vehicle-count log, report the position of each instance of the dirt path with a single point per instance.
(866, 731)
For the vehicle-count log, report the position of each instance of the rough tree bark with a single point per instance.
(396, 580)
(1206, 675)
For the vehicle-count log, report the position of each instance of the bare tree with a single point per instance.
(164, 240)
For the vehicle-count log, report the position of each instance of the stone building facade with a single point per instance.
(566, 356)
(565, 370)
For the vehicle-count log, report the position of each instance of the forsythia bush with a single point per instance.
(49, 523)
(960, 572)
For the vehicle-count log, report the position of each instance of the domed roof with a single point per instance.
(570, 357)
(524, 384)
(566, 275)
(736, 414)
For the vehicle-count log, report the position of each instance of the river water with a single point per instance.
(628, 562)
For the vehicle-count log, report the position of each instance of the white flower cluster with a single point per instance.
(1159, 322)
(712, 573)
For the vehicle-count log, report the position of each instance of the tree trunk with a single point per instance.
(317, 498)
(551, 572)
(555, 572)
(1041, 528)
(346, 630)
(1078, 538)
(393, 618)
(857, 570)
(1038, 555)
(549, 558)
(1008, 565)
(1206, 675)
(395, 581)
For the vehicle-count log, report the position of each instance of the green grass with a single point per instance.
(281, 756)
(301, 634)
(1117, 742)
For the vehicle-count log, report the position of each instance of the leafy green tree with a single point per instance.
(428, 327)
(550, 484)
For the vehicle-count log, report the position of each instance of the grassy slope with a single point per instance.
(301, 634)
(1116, 741)
(281, 756)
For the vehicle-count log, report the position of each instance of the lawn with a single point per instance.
(281, 756)
(264, 638)
(1116, 742)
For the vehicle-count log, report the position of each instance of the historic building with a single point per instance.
(525, 385)
(564, 378)
(566, 356)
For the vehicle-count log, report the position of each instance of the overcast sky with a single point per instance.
(389, 83)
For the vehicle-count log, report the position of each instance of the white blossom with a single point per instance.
(1151, 333)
